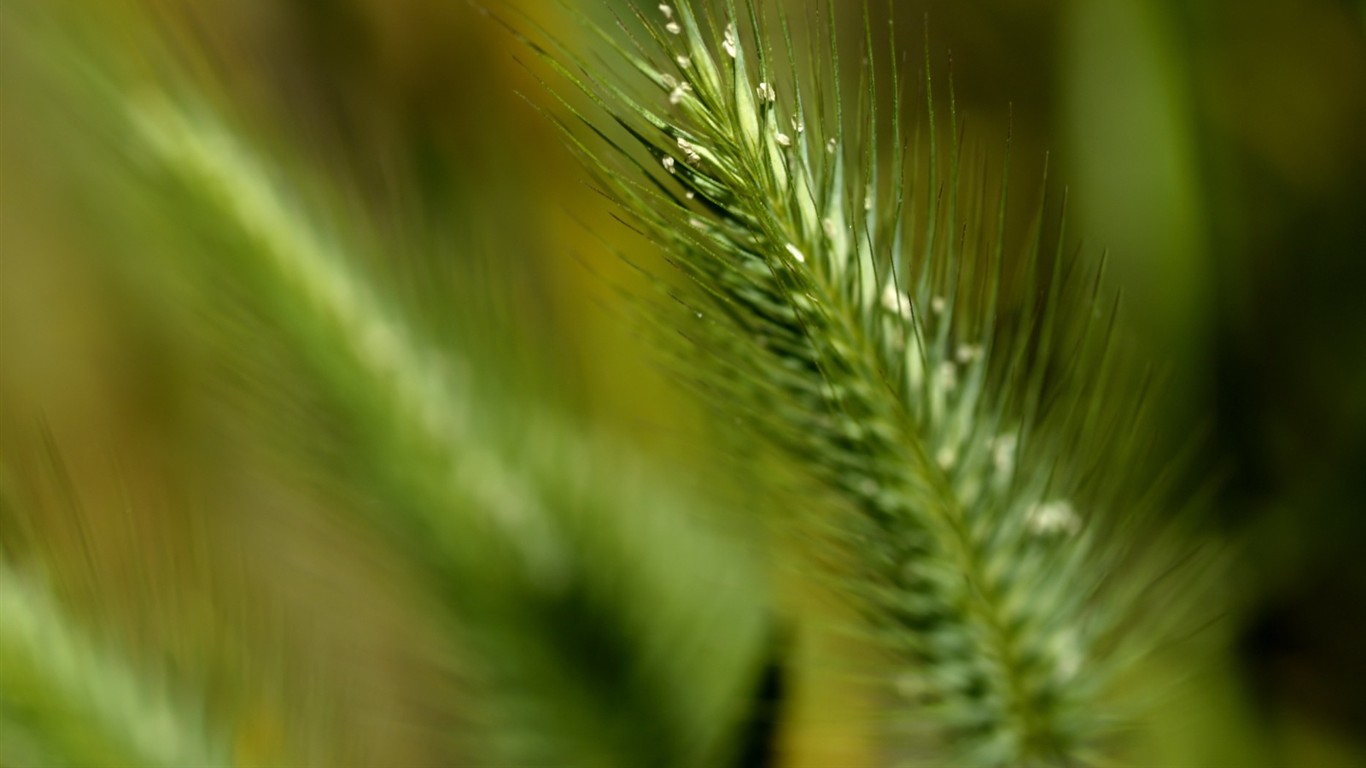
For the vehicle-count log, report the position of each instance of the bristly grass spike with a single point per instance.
(903, 366)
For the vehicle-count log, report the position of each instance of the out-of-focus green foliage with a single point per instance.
(570, 638)
(64, 701)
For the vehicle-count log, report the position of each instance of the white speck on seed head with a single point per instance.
(766, 93)
(967, 353)
(667, 10)
(728, 41)
(937, 305)
(796, 254)
(831, 146)
(896, 302)
(683, 60)
(689, 151)
(782, 139)
(679, 91)
(673, 28)
(668, 163)
(1052, 517)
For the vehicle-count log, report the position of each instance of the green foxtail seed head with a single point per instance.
(970, 404)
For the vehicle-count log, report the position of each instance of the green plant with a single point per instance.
(850, 297)
(971, 422)
(66, 700)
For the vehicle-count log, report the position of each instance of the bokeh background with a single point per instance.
(1215, 149)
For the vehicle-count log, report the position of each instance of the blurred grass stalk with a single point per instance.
(1135, 163)
(66, 700)
(598, 619)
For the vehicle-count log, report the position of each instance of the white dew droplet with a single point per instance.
(937, 304)
(690, 194)
(766, 93)
(673, 28)
(831, 146)
(683, 60)
(896, 302)
(668, 163)
(697, 223)
(729, 43)
(782, 139)
(667, 10)
(1052, 517)
(796, 254)
(967, 353)
(798, 127)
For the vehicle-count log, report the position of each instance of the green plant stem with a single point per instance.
(65, 700)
